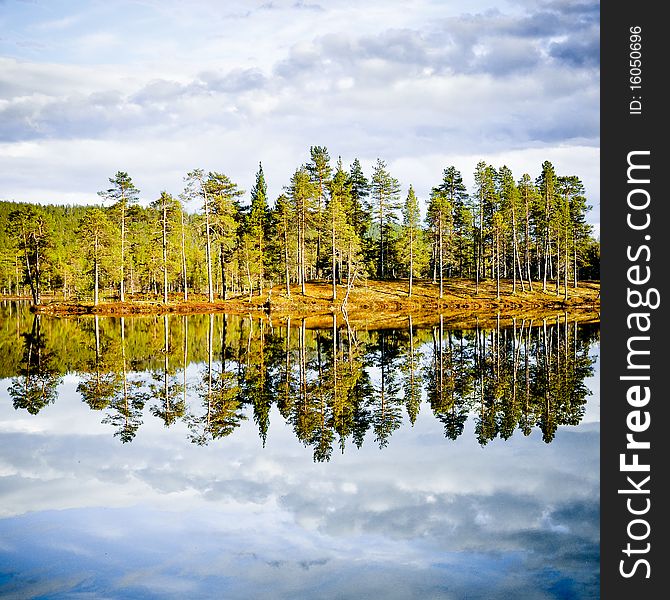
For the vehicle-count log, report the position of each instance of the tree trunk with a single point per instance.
(38, 290)
(567, 263)
(516, 260)
(558, 263)
(574, 262)
(96, 275)
(165, 273)
(441, 256)
(497, 262)
(261, 273)
(302, 251)
(251, 285)
(31, 283)
(411, 262)
(122, 295)
(224, 282)
(480, 243)
(334, 256)
(381, 237)
(527, 243)
(287, 274)
(547, 241)
(183, 258)
(546, 263)
(210, 288)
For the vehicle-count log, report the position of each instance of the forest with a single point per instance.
(330, 224)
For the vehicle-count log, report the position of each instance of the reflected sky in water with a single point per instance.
(84, 515)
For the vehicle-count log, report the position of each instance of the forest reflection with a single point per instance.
(331, 385)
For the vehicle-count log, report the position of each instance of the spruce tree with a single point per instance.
(385, 192)
(411, 232)
(257, 225)
(319, 170)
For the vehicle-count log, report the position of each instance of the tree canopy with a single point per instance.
(331, 223)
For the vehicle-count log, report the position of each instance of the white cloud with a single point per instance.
(176, 88)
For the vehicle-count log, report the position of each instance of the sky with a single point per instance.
(157, 88)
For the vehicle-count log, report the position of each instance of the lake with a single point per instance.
(222, 456)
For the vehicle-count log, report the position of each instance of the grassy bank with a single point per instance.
(374, 300)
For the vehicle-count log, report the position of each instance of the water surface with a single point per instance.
(217, 456)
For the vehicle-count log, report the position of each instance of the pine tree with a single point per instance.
(226, 214)
(411, 235)
(166, 206)
(283, 217)
(510, 206)
(94, 232)
(32, 234)
(529, 200)
(570, 189)
(455, 192)
(338, 200)
(486, 201)
(546, 185)
(123, 194)
(301, 193)
(440, 219)
(179, 204)
(196, 188)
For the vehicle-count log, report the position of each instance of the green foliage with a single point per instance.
(31, 232)
(329, 223)
(359, 213)
(385, 193)
(257, 232)
(411, 247)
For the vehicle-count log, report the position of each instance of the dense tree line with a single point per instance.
(329, 223)
(332, 386)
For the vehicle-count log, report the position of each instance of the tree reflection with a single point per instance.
(305, 414)
(256, 385)
(219, 393)
(411, 376)
(37, 381)
(385, 404)
(165, 387)
(127, 400)
(332, 385)
(99, 382)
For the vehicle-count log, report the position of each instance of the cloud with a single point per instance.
(158, 91)
(376, 81)
(506, 56)
(235, 81)
(162, 508)
(578, 50)
(302, 5)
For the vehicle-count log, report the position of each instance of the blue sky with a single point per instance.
(157, 88)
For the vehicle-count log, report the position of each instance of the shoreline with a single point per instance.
(376, 301)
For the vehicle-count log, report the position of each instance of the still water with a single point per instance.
(219, 456)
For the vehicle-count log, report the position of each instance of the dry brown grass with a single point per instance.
(378, 302)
